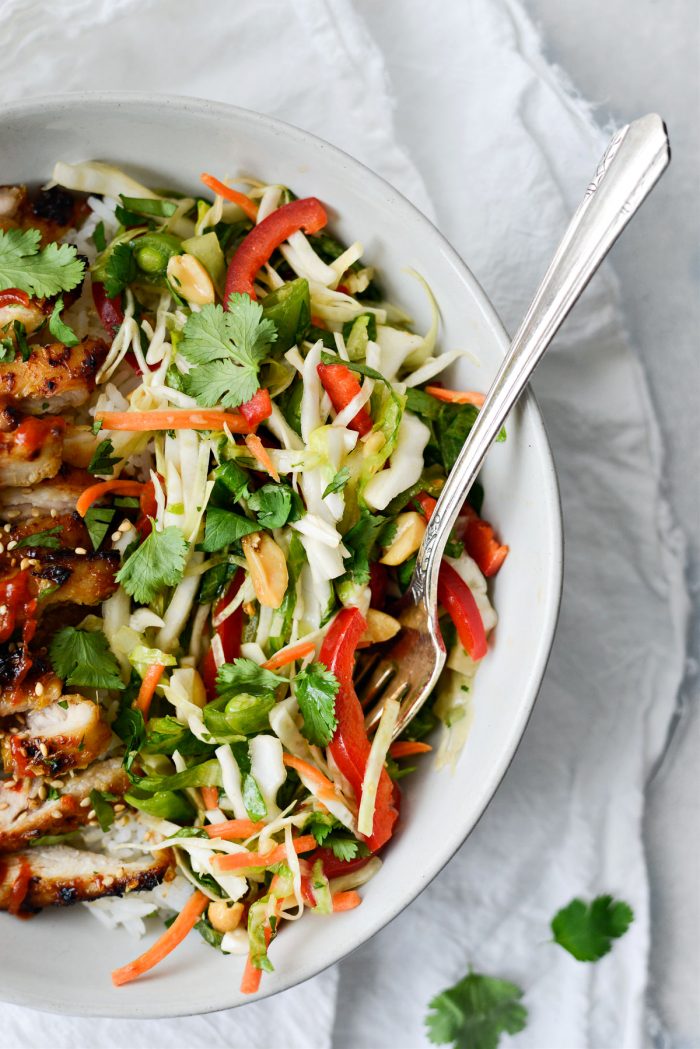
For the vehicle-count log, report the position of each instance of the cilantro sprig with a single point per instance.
(227, 349)
(587, 930)
(83, 658)
(43, 272)
(315, 689)
(475, 1012)
(158, 562)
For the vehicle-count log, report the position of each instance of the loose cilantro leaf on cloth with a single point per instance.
(120, 269)
(227, 349)
(587, 930)
(47, 538)
(475, 1013)
(338, 482)
(158, 562)
(103, 810)
(315, 689)
(59, 329)
(98, 521)
(102, 461)
(83, 657)
(43, 272)
(275, 505)
(223, 527)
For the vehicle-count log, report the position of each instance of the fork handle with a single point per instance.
(635, 159)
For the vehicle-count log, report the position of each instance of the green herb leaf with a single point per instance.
(252, 798)
(120, 269)
(231, 482)
(243, 675)
(103, 810)
(223, 527)
(148, 206)
(158, 562)
(167, 734)
(21, 339)
(587, 930)
(361, 540)
(165, 804)
(346, 847)
(83, 657)
(214, 582)
(338, 483)
(475, 1013)
(206, 774)
(315, 689)
(42, 272)
(98, 521)
(102, 461)
(275, 505)
(46, 538)
(98, 237)
(59, 329)
(209, 933)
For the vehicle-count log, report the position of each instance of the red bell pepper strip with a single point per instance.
(350, 746)
(256, 248)
(257, 409)
(458, 601)
(229, 633)
(341, 385)
(148, 507)
(13, 297)
(426, 504)
(481, 543)
(332, 866)
(110, 310)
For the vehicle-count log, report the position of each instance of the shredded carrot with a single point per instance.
(241, 860)
(259, 450)
(232, 829)
(324, 787)
(404, 748)
(250, 981)
(210, 797)
(289, 654)
(244, 202)
(148, 687)
(174, 419)
(346, 901)
(185, 921)
(97, 491)
(457, 396)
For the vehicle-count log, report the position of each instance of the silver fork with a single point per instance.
(635, 159)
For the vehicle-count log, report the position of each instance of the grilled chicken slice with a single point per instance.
(52, 211)
(59, 493)
(68, 531)
(54, 377)
(79, 445)
(31, 452)
(36, 689)
(69, 734)
(27, 816)
(58, 875)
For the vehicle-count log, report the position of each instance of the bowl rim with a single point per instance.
(83, 101)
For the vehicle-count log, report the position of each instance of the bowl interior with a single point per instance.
(61, 960)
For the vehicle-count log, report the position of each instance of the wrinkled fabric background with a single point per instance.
(488, 140)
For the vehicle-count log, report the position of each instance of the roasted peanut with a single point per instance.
(190, 279)
(410, 529)
(380, 627)
(268, 568)
(224, 916)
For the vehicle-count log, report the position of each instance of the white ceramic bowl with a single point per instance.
(61, 960)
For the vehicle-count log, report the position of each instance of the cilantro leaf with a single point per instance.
(98, 237)
(320, 824)
(275, 505)
(223, 527)
(315, 689)
(47, 538)
(338, 482)
(360, 540)
(158, 562)
(98, 520)
(346, 847)
(21, 338)
(587, 930)
(103, 462)
(42, 272)
(475, 1012)
(245, 676)
(227, 348)
(59, 329)
(129, 723)
(120, 269)
(83, 657)
(103, 810)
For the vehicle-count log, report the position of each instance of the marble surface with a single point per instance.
(630, 58)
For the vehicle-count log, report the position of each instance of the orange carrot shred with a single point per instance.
(346, 901)
(457, 396)
(241, 860)
(244, 202)
(148, 688)
(405, 748)
(185, 921)
(97, 491)
(210, 797)
(174, 419)
(233, 829)
(324, 787)
(250, 981)
(289, 654)
(259, 451)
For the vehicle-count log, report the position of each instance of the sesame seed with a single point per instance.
(116, 536)
(14, 731)
(91, 814)
(3, 610)
(6, 528)
(57, 783)
(84, 804)
(35, 512)
(54, 512)
(12, 544)
(38, 689)
(80, 550)
(42, 791)
(125, 525)
(119, 807)
(44, 750)
(56, 815)
(24, 563)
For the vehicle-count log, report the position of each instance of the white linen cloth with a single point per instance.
(454, 104)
